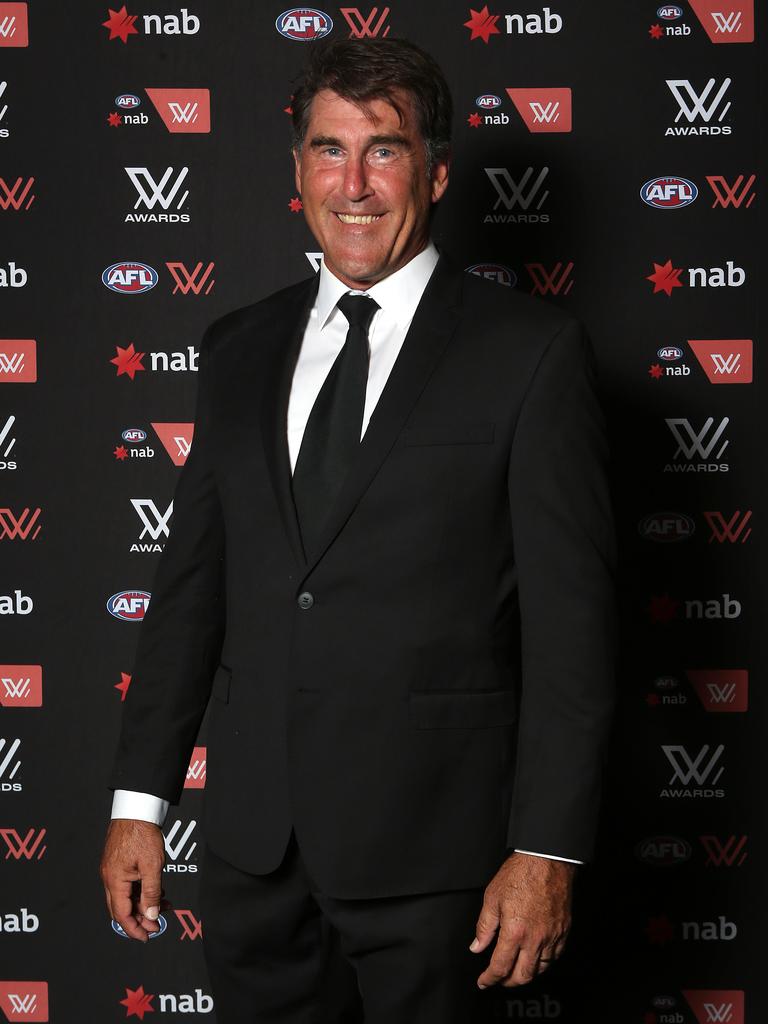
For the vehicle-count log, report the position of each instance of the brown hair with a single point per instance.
(361, 70)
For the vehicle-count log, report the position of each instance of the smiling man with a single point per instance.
(389, 569)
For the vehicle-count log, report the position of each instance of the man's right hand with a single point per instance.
(131, 868)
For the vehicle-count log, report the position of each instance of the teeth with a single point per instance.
(353, 218)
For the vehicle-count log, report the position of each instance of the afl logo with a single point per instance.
(663, 850)
(118, 928)
(488, 101)
(494, 272)
(670, 353)
(127, 101)
(667, 527)
(134, 435)
(129, 278)
(303, 24)
(669, 12)
(129, 605)
(668, 193)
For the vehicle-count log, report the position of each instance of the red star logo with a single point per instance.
(474, 120)
(652, 700)
(289, 108)
(128, 360)
(122, 686)
(482, 24)
(655, 31)
(656, 371)
(121, 452)
(137, 1002)
(665, 277)
(663, 608)
(121, 24)
(295, 205)
(114, 120)
(660, 930)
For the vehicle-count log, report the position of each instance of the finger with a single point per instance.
(485, 929)
(503, 959)
(525, 970)
(150, 897)
(123, 912)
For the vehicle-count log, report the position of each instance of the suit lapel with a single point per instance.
(430, 331)
(276, 389)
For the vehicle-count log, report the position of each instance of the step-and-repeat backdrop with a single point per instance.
(605, 160)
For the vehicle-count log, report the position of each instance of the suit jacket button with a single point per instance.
(305, 600)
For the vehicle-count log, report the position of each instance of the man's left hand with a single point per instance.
(528, 902)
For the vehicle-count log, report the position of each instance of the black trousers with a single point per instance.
(279, 951)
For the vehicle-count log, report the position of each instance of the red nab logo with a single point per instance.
(191, 281)
(724, 854)
(197, 770)
(14, 29)
(183, 110)
(24, 1001)
(725, 362)
(21, 686)
(18, 361)
(16, 196)
(191, 927)
(716, 1006)
(176, 439)
(557, 282)
(730, 530)
(28, 846)
(19, 527)
(726, 21)
(721, 689)
(732, 195)
(361, 27)
(543, 110)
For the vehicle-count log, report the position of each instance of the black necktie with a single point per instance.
(332, 434)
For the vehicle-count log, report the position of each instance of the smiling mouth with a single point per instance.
(356, 218)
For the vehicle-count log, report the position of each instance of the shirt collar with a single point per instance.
(398, 295)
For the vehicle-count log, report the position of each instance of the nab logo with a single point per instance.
(494, 272)
(194, 280)
(16, 196)
(21, 686)
(303, 24)
(726, 21)
(23, 526)
(707, 105)
(360, 28)
(121, 25)
(24, 1001)
(544, 110)
(28, 847)
(558, 281)
(176, 439)
(725, 362)
(12, 276)
(14, 29)
(129, 278)
(184, 111)
(668, 193)
(732, 195)
(129, 605)
(721, 689)
(163, 193)
(196, 771)
(179, 846)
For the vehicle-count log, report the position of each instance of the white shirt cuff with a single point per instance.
(549, 856)
(126, 803)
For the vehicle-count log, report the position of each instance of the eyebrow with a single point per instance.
(374, 140)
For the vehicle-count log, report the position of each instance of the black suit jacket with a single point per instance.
(447, 692)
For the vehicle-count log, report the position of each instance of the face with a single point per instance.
(364, 186)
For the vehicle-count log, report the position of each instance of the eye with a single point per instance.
(332, 151)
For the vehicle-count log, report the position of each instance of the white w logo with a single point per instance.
(15, 688)
(2, 90)
(729, 23)
(8, 27)
(718, 1011)
(11, 363)
(511, 194)
(549, 113)
(184, 115)
(4, 432)
(693, 444)
(7, 759)
(22, 1004)
(155, 191)
(172, 850)
(688, 770)
(697, 106)
(724, 694)
(726, 364)
(145, 507)
(183, 446)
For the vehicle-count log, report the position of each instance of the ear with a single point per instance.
(297, 169)
(439, 178)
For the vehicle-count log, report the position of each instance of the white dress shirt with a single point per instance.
(397, 296)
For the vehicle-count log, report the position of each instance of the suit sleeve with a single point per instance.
(564, 545)
(181, 635)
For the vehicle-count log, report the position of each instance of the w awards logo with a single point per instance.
(184, 111)
(155, 525)
(544, 110)
(176, 439)
(24, 1002)
(166, 193)
(726, 21)
(180, 846)
(703, 108)
(518, 201)
(725, 362)
(14, 30)
(196, 771)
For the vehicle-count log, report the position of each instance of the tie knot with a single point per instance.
(358, 309)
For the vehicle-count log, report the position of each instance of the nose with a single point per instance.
(355, 184)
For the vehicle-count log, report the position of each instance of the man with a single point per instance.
(390, 566)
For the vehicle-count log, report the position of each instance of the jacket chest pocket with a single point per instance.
(448, 432)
